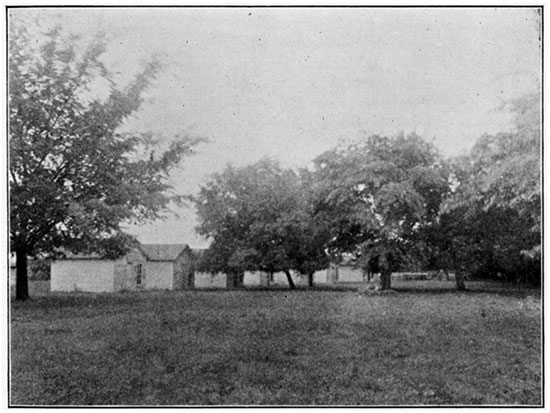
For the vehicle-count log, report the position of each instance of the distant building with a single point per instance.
(149, 266)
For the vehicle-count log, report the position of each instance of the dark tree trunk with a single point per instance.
(385, 279)
(229, 280)
(310, 279)
(21, 282)
(459, 277)
(290, 282)
(234, 280)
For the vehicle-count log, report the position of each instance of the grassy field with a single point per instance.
(422, 344)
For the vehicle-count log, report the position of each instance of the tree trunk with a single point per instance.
(385, 279)
(459, 277)
(234, 280)
(21, 281)
(290, 282)
(264, 279)
(229, 280)
(332, 274)
(310, 279)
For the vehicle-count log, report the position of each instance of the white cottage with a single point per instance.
(149, 266)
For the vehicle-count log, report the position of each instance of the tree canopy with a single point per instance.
(490, 225)
(74, 176)
(379, 193)
(259, 219)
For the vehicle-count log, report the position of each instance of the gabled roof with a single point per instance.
(162, 252)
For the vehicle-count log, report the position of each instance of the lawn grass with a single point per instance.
(425, 343)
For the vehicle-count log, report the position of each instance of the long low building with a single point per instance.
(149, 266)
(166, 267)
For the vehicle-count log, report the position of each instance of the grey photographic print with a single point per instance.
(274, 206)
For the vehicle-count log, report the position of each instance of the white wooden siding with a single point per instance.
(207, 280)
(83, 275)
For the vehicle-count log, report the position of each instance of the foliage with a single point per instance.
(486, 243)
(74, 177)
(507, 167)
(259, 218)
(491, 225)
(379, 194)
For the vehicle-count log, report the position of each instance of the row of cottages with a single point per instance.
(148, 266)
(333, 274)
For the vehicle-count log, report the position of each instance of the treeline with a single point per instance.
(386, 203)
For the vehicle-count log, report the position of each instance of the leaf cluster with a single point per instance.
(379, 193)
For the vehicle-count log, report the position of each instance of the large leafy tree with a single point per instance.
(491, 224)
(259, 218)
(74, 177)
(379, 194)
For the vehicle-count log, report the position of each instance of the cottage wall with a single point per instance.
(184, 277)
(208, 280)
(13, 275)
(159, 275)
(350, 274)
(83, 275)
(332, 274)
(319, 277)
(125, 279)
(253, 278)
(125, 275)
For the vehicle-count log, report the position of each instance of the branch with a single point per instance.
(61, 169)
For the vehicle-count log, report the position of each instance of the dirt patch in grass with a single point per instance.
(279, 348)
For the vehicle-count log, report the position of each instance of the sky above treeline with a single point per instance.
(291, 83)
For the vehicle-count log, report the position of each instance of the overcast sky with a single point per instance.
(291, 83)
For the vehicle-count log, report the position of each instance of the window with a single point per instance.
(138, 269)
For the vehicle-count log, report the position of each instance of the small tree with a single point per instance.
(74, 177)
